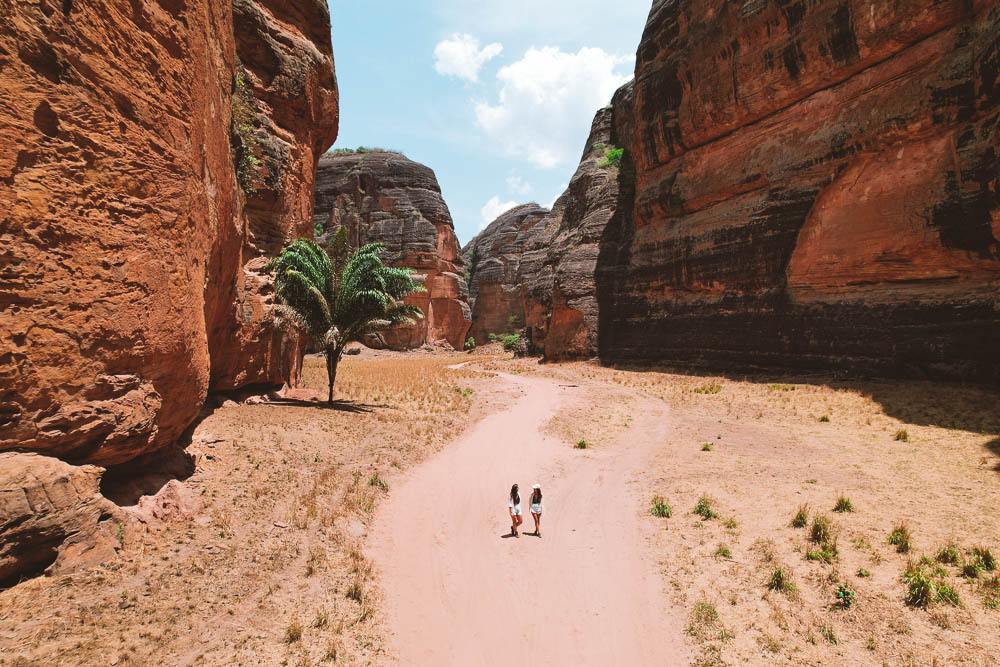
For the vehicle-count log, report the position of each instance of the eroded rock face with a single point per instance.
(495, 275)
(52, 516)
(817, 185)
(129, 279)
(383, 197)
(560, 260)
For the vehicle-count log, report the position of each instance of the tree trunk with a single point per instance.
(332, 359)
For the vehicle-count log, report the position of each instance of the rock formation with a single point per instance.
(817, 185)
(495, 277)
(130, 252)
(559, 264)
(383, 197)
(154, 155)
(51, 514)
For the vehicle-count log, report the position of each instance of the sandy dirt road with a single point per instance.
(460, 593)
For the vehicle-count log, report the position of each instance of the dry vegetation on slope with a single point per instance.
(923, 455)
(256, 557)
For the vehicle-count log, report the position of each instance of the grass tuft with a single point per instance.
(825, 419)
(660, 508)
(582, 444)
(900, 537)
(707, 447)
(822, 529)
(704, 509)
(902, 435)
(801, 517)
(293, 632)
(781, 580)
(948, 554)
(708, 389)
(844, 504)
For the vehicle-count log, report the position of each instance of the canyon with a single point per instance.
(801, 187)
(143, 191)
(383, 197)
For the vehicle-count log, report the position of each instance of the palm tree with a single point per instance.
(335, 296)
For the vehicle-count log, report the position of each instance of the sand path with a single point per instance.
(460, 593)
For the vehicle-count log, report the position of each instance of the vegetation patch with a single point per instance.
(242, 133)
(612, 158)
(843, 505)
(704, 509)
(801, 517)
(900, 538)
(781, 580)
(661, 508)
(708, 389)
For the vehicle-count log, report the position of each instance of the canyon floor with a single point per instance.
(372, 531)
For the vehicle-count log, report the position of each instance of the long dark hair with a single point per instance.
(536, 496)
(514, 495)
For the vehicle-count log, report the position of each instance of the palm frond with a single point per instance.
(294, 289)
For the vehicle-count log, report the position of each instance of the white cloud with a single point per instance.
(461, 56)
(547, 101)
(492, 210)
(518, 184)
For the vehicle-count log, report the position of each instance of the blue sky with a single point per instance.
(495, 96)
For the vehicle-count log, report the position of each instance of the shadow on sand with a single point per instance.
(338, 405)
(961, 407)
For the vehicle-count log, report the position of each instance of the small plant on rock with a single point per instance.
(612, 158)
(470, 343)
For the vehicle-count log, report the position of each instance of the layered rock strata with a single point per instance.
(383, 197)
(496, 281)
(129, 250)
(817, 185)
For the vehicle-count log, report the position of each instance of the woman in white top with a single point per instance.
(537, 508)
(514, 503)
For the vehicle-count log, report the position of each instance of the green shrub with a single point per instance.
(902, 435)
(582, 444)
(470, 343)
(723, 552)
(825, 419)
(971, 569)
(843, 505)
(704, 509)
(612, 158)
(845, 596)
(707, 447)
(920, 589)
(801, 517)
(510, 341)
(708, 389)
(493, 338)
(863, 573)
(661, 508)
(901, 538)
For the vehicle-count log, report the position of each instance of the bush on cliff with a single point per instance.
(613, 158)
(336, 297)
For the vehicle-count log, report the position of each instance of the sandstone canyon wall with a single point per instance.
(383, 197)
(495, 276)
(129, 251)
(817, 185)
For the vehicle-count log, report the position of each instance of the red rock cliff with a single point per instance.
(383, 197)
(495, 275)
(128, 249)
(816, 185)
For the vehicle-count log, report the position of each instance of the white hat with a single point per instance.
(537, 486)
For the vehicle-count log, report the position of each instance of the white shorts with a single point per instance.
(536, 509)
(516, 511)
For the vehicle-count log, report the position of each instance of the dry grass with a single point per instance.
(918, 451)
(269, 569)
